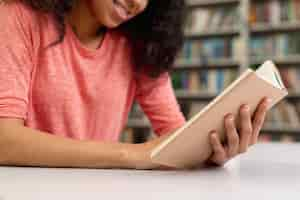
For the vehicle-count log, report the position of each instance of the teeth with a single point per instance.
(121, 5)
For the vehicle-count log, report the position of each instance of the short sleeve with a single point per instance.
(15, 61)
(158, 101)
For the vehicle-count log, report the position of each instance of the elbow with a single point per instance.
(8, 142)
(5, 148)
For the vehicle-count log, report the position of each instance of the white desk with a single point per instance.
(270, 171)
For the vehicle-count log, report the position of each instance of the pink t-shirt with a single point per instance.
(73, 91)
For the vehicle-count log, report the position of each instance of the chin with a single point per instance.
(111, 24)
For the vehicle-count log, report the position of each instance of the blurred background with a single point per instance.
(222, 39)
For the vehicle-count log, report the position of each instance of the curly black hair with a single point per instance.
(156, 34)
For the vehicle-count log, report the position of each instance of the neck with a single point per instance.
(83, 22)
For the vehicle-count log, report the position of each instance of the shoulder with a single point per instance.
(16, 10)
(17, 14)
(23, 23)
(121, 39)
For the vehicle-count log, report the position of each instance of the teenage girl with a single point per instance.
(70, 71)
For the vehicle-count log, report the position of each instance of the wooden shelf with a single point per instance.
(281, 130)
(225, 33)
(293, 97)
(208, 3)
(285, 61)
(263, 29)
(223, 63)
(278, 131)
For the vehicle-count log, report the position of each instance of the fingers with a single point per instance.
(259, 118)
(246, 128)
(239, 141)
(232, 136)
(219, 153)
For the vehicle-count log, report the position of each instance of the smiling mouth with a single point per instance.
(121, 5)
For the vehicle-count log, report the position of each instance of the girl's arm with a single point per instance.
(22, 146)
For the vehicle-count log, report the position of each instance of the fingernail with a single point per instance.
(229, 116)
(213, 133)
(269, 100)
(246, 107)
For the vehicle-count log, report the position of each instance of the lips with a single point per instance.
(121, 10)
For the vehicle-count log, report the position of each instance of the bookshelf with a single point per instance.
(202, 3)
(285, 61)
(212, 34)
(242, 35)
(220, 63)
(263, 29)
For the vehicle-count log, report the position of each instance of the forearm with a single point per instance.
(28, 147)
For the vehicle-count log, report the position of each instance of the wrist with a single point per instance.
(138, 157)
(118, 155)
(130, 155)
(126, 156)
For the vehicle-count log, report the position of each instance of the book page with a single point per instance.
(269, 73)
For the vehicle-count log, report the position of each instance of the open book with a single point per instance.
(190, 145)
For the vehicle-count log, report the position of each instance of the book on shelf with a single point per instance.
(202, 51)
(210, 52)
(206, 82)
(284, 115)
(274, 12)
(283, 138)
(277, 45)
(291, 78)
(210, 19)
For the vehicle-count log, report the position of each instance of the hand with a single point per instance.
(238, 143)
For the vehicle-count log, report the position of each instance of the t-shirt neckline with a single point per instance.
(85, 51)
